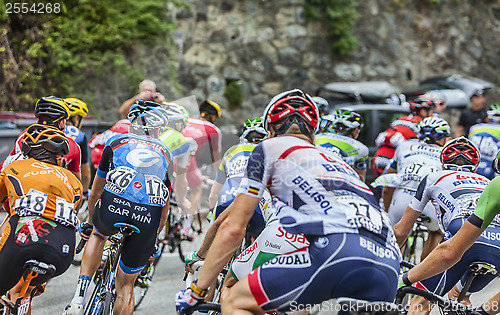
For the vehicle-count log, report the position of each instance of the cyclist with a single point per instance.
(413, 160)
(323, 105)
(486, 136)
(455, 192)
(200, 131)
(402, 129)
(179, 146)
(78, 110)
(54, 112)
(316, 194)
(439, 100)
(340, 131)
(44, 198)
(98, 141)
(132, 185)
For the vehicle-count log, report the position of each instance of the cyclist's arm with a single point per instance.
(211, 232)
(446, 254)
(228, 238)
(403, 227)
(217, 157)
(214, 194)
(164, 216)
(85, 176)
(95, 194)
(387, 192)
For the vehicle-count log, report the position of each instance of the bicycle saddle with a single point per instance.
(126, 226)
(39, 267)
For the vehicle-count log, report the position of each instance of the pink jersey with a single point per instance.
(202, 131)
(73, 158)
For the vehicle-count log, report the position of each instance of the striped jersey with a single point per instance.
(453, 194)
(353, 152)
(234, 162)
(314, 193)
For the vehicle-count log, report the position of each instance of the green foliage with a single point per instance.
(95, 39)
(233, 94)
(339, 16)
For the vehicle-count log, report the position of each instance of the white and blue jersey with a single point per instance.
(487, 139)
(137, 168)
(317, 193)
(81, 139)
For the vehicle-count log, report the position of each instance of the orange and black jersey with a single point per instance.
(36, 188)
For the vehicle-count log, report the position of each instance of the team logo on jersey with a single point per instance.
(138, 185)
(33, 229)
(297, 259)
(143, 157)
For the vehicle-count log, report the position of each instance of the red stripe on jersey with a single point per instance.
(442, 177)
(256, 287)
(290, 150)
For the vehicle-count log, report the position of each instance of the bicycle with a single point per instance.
(102, 300)
(32, 269)
(173, 237)
(416, 239)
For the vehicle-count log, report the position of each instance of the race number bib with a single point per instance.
(237, 166)
(65, 212)
(33, 203)
(156, 189)
(413, 174)
(360, 214)
(118, 179)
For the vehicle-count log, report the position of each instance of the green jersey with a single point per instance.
(488, 206)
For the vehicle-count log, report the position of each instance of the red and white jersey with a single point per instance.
(453, 194)
(73, 158)
(202, 132)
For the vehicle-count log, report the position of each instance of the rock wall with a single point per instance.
(267, 46)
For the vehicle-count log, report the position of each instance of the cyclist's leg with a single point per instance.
(10, 264)
(435, 235)
(124, 283)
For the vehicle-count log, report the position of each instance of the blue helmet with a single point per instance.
(147, 115)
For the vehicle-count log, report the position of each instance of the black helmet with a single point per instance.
(44, 142)
(53, 108)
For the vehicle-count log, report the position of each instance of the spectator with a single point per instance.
(439, 102)
(147, 92)
(472, 115)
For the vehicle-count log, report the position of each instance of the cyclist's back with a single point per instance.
(486, 136)
(43, 196)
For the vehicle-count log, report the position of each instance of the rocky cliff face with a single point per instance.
(267, 46)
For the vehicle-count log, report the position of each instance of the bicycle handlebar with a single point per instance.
(82, 242)
(206, 306)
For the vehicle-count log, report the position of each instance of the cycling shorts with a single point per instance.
(334, 265)
(37, 238)
(272, 242)
(256, 224)
(485, 249)
(138, 247)
(193, 173)
(401, 199)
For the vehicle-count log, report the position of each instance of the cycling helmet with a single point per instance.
(147, 115)
(44, 143)
(435, 96)
(421, 103)
(432, 129)
(321, 103)
(495, 164)
(77, 107)
(326, 124)
(209, 108)
(176, 112)
(346, 119)
(460, 154)
(52, 107)
(251, 128)
(494, 113)
(294, 105)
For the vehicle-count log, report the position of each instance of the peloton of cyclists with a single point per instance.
(316, 194)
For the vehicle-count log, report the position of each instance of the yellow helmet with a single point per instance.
(210, 108)
(53, 108)
(77, 107)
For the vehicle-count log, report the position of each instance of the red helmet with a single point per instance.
(460, 154)
(292, 103)
(421, 103)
